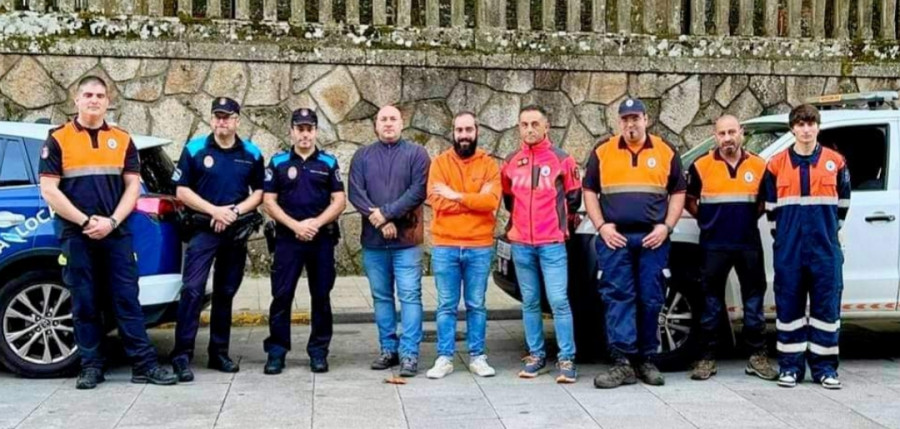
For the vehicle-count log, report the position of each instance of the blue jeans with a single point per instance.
(467, 267)
(383, 268)
(551, 261)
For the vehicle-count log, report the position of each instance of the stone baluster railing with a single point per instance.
(874, 19)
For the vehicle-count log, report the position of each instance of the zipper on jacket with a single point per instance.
(531, 196)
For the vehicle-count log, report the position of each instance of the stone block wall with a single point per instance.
(171, 97)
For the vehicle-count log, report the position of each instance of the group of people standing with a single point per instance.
(633, 189)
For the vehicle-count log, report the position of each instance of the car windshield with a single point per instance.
(757, 137)
(156, 171)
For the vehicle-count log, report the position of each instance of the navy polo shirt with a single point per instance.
(304, 187)
(220, 176)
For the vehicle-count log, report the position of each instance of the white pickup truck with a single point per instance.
(866, 130)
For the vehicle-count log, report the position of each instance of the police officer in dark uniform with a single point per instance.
(91, 177)
(219, 176)
(305, 195)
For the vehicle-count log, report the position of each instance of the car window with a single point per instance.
(33, 148)
(14, 166)
(156, 171)
(865, 147)
(757, 137)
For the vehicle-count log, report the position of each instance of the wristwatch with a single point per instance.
(669, 228)
(113, 222)
(86, 222)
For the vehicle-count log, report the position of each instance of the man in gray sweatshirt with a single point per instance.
(388, 187)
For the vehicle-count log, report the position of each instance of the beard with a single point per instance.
(468, 150)
(729, 150)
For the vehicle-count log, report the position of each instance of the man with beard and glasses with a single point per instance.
(634, 195)
(723, 195)
(464, 192)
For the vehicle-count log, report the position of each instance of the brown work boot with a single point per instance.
(649, 374)
(618, 374)
(704, 369)
(760, 366)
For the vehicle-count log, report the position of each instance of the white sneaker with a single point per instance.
(831, 382)
(443, 365)
(479, 366)
(787, 379)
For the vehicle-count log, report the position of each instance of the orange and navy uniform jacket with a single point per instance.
(470, 221)
(90, 165)
(807, 198)
(634, 187)
(729, 200)
(541, 186)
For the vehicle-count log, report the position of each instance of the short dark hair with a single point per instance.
(465, 113)
(804, 113)
(92, 79)
(535, 108)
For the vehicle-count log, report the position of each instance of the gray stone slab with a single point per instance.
(20, 397)
(823, 418)
(450, 407)
(549, 419)
(354, 396)
(681, 390)
(884, 414)
(71, 408)
(734, 414)
(183, 406)
(457, 424)
(285, 400)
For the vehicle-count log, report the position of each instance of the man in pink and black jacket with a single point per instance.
(541, 186)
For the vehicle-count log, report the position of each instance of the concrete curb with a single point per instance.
(260, 318)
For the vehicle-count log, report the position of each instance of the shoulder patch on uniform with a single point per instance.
(561, 155)
(512, 155)
(280, 158)
(195, 145)
(328, 158)
(251, 147)
(55, 130)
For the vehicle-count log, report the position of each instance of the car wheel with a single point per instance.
(37, 336)
(679, 320)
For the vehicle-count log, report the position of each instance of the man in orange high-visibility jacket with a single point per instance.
(634, 195)
(723, 195)
(91, 177)
(807, 195)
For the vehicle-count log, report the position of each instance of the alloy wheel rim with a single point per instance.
(38, 325)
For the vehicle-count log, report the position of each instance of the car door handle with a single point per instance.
(8, 219)
(880, 217)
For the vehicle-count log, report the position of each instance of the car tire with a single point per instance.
(37, 338)
(679, 320)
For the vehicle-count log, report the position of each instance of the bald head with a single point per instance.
(727, 120)
(388, 124)
(729, 135)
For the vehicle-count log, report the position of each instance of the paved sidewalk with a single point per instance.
(353, 396)
(351, 301)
